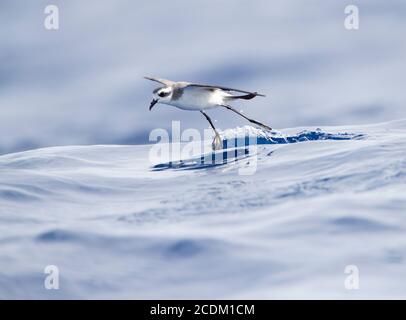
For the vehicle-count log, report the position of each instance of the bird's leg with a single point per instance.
(217, 143)
(250, 120)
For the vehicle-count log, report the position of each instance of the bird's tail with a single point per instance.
(248, 96)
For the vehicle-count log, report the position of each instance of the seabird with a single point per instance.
(200, 97)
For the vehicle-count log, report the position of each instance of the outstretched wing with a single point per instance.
(163, 81)
(223, 88)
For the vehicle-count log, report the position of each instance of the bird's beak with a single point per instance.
(153, 102)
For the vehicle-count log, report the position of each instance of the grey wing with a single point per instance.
(163, 81)
(222, 88)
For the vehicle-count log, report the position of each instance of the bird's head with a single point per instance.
(161, 95)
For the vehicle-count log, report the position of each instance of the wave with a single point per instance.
(237, 145)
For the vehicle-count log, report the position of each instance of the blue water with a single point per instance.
(238, 148)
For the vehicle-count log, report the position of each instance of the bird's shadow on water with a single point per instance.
(235, 149)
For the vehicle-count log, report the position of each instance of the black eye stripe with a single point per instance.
(163, 94)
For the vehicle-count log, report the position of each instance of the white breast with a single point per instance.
(194, 98)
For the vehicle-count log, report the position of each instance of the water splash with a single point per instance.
(276, 137)
(237, 142)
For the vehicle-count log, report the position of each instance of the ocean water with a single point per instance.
(282, 218)
(83, 84)
(320, 199)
